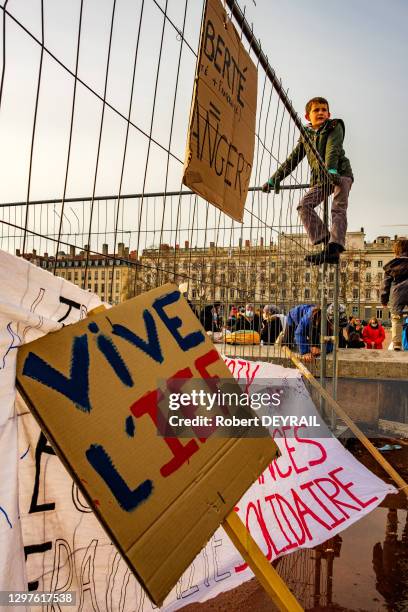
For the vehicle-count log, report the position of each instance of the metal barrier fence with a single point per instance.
(104, 109)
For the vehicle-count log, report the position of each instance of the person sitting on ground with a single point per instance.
(359, 327)
(354, 341)
(374, 334)
(271, 325)
(307, 333)
(395, 284)
(327, 135)
(247, 320)
(210, 318)
(232, 319)
(351, 326)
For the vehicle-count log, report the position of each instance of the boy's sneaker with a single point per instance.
(330, 255)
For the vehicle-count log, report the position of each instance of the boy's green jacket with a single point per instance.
(328, 140)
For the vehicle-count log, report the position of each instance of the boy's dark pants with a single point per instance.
(315, 228)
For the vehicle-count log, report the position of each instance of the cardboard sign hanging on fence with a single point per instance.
(95, 387)
(221, 137)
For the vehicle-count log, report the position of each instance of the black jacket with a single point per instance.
(395, 284)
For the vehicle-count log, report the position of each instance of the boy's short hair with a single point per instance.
(317, 100)
(401, 247)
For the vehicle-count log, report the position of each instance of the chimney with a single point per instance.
(262, 241)
(72, 250)
(34, 253)
(18, 253)
(186, 244)
(177, 247)
(46, 255)
(121, 249)
(212, 245)
(240, 243)
(362, 230)
(127, 252)
(247, 244)
(105, 248)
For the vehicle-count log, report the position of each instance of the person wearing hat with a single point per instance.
(307, 333)
(271, 324)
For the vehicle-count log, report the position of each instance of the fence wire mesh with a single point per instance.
(94, 106)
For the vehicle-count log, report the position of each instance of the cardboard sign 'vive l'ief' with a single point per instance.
(93, 386)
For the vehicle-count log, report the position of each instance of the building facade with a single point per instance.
(110, 276)
(275, 273)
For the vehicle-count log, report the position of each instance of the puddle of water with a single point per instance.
(364, 568)
(372, 570)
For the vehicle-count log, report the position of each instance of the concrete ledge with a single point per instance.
(352, 363)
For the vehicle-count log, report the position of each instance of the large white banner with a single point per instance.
(313, 491)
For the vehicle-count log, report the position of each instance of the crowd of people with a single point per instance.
(300, 328)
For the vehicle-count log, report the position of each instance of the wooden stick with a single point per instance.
(266, 574)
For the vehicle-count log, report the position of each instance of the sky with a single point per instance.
(353, 53)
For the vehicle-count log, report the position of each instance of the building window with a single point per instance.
(331, 294)
(355, 277)
(379, 276)
(368, 278)
(379, 263)
(355, 311)
(379, 313)
(307, 294)
(355, 294)
(368, 294)
(232, 293)
(96, 274)
(356, 262)
(307, 277)
(368, 264)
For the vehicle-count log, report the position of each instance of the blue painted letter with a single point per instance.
(152, 346)
(76, 387)
(127, 499)
(173, 323)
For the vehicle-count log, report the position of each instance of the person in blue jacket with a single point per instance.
(405, 334)
(305, 324)
(295, 315)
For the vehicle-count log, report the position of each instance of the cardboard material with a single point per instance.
(221, 138)
(93, 387)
